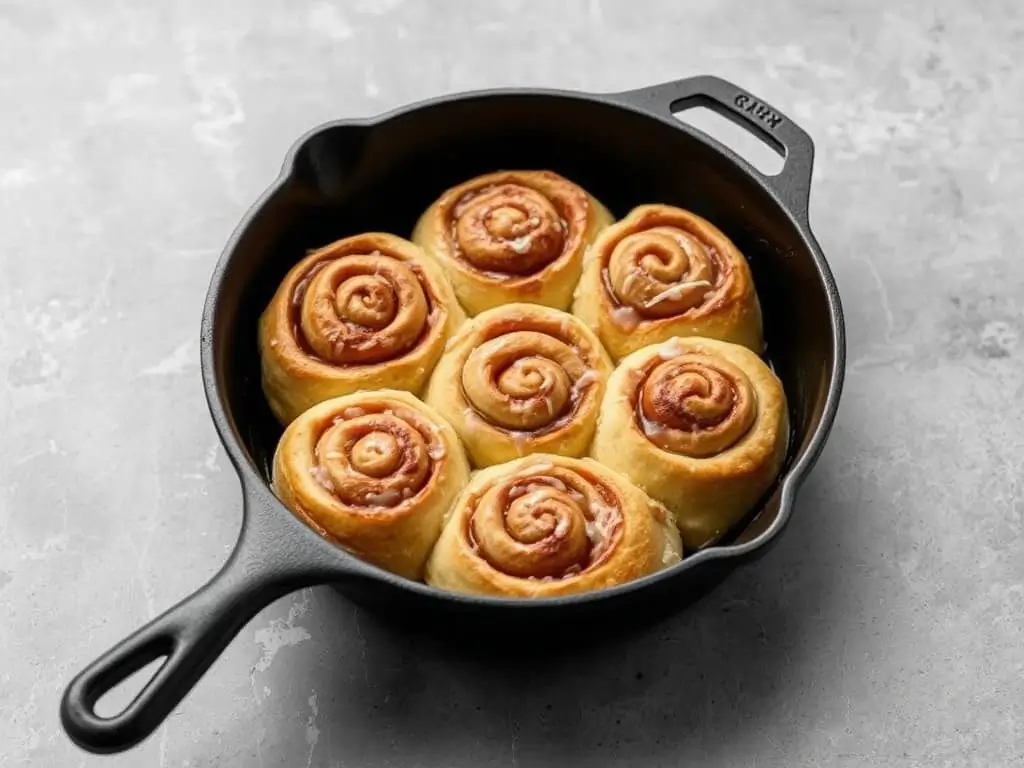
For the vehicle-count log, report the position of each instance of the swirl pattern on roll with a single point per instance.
(364, 312)
(512, 229)
(701, 425)
(361, 309)
(521, 379)
(664, 271)
(550, 522)
(512, 236)
(551, 525)
(696, 405)
(375, 472)
(375, 459)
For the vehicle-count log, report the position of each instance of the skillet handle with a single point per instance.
(270, 560)
(792, 184)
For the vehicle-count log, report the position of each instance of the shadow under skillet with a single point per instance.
(688, 687)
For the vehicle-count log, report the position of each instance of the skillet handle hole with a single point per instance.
(764, 157)
(120, 695)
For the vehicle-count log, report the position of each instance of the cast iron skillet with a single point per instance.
(380, 174)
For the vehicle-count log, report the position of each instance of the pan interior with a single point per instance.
(352, 178)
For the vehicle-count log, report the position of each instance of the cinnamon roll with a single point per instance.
(662, 272)
(521, 379)
(512, 236)
(550, 525)
(375, 472)
(364, 312)
(701, 425)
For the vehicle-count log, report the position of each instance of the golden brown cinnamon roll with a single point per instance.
(701, 425)
(375, 472)
(521, 379)
(512, 236)
(550, 525)
(364, 312)
(662, 272)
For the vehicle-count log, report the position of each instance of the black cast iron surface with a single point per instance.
(379, 174)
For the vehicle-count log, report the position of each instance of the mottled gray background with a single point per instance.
(885, 629)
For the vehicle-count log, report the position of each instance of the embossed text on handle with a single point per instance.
(762, 112)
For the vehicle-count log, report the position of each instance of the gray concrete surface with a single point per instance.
(886, 629)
